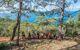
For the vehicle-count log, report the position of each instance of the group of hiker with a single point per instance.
(41, 36)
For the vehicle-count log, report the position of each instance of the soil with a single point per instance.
(4, 39)
(45, 44)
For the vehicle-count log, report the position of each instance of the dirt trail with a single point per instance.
(46, 45)
(4, 39)
(56, 45)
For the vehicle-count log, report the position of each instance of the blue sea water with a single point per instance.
(33, 17)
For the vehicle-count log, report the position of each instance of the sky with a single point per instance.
(72, 7)
(7, 11)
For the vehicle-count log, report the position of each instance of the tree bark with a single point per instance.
(17, 26)
(19, 20)
(14, 31)
(61, 19)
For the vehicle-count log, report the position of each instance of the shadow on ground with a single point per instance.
(75, 47)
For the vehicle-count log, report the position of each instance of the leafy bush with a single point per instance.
(71, 34)
(5, 45)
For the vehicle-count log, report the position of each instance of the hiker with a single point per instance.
(23, 36)
(37, 35)
(29, 36)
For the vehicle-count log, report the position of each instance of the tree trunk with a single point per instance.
(14, 31)
(61, 19)
(19, 20)
(17, 23)
(18, 34)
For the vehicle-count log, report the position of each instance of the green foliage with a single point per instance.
(73, 26)
(4, 46)
(6, 26)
